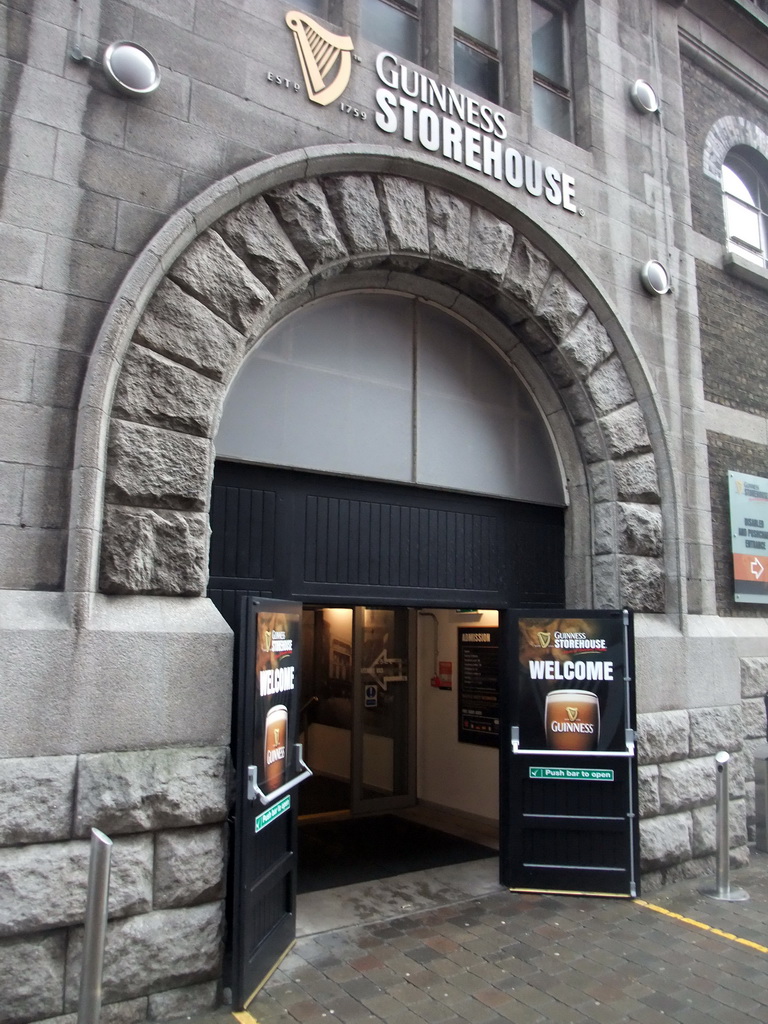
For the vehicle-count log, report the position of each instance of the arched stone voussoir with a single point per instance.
(355, 205)
(296, 240)
(255, 235)
(642, 583)
(157, 468)
(178, 326)
(306, 217)
(154, 551)
(211, 272)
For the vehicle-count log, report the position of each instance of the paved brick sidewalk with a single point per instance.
(537, 960)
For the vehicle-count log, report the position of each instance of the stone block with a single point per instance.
(36, 799)
(158, 468)
(154, 552)
(665, 840)
(754, 677)
(212, 273)
(560, 306)
(32, 558)
(355, 207)
(685, 784)
(639, 529)
(663, 736)
(705, 828)
(448, 219)
(190, 867)
(153, 953)
(609, 387)
(157, 392)
(587, 346)
(624, 432)
(642, 583)
(183, 1002)
(404, 210)
(714, 729)
(149, 790)
(114, 171)
(648, 801)
(17, 362)
(304, 213)
(490, 245)
(527, 272)
(32, 977)
(577, 401)
(754, 717)
(254, 234)
(637, 479)
(22, 254)
(178, 326)
(45, 885)
(604, 528)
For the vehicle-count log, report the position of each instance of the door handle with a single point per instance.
(256, 793)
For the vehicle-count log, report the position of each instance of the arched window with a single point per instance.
(745, 196)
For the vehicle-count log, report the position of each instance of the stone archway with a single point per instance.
(260, 258)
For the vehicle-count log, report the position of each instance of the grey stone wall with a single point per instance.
(677, 787)
(165, 811)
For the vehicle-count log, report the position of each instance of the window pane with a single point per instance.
(391, 29)
(551, 111)
(743, 223)
(735, 185)
(476, 71)
(476, 18)
(548, 49)
(312, 7)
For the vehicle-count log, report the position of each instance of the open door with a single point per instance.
(569, 821)
(269, 767)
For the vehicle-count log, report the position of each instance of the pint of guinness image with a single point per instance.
(572, 720)
(275, 747)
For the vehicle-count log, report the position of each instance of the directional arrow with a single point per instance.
(757, 568)
(378, 670)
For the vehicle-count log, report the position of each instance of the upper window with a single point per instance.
(745, 197)
(552, 107)
(393, 25)
(475, 47)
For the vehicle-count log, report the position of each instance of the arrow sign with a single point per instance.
(380, 671)
(756, 568)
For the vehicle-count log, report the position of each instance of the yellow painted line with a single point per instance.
(244, 1017)
(704, 927)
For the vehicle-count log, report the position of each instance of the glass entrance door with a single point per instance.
(358, 703)
(383, 775)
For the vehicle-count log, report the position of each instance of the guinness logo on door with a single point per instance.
(325, 57)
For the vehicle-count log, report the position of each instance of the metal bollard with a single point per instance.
(723, 860)
(89, 1005)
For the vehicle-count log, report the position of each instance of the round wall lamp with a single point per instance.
(654, 278)
(643, 97)
(131, 68)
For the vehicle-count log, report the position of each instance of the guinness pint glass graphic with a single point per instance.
(275, 747)
(572, 720)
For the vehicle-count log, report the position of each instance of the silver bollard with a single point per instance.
(89, 1006)
(723, 859)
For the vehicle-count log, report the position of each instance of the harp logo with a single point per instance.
(326, 58)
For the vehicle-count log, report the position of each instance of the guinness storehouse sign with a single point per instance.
(437, 117)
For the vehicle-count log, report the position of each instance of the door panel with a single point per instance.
(383, 754)
(263, 907)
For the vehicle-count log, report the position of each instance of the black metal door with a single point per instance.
(568, 789)
(268, 768)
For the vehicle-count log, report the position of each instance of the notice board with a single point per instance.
(479, 686)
